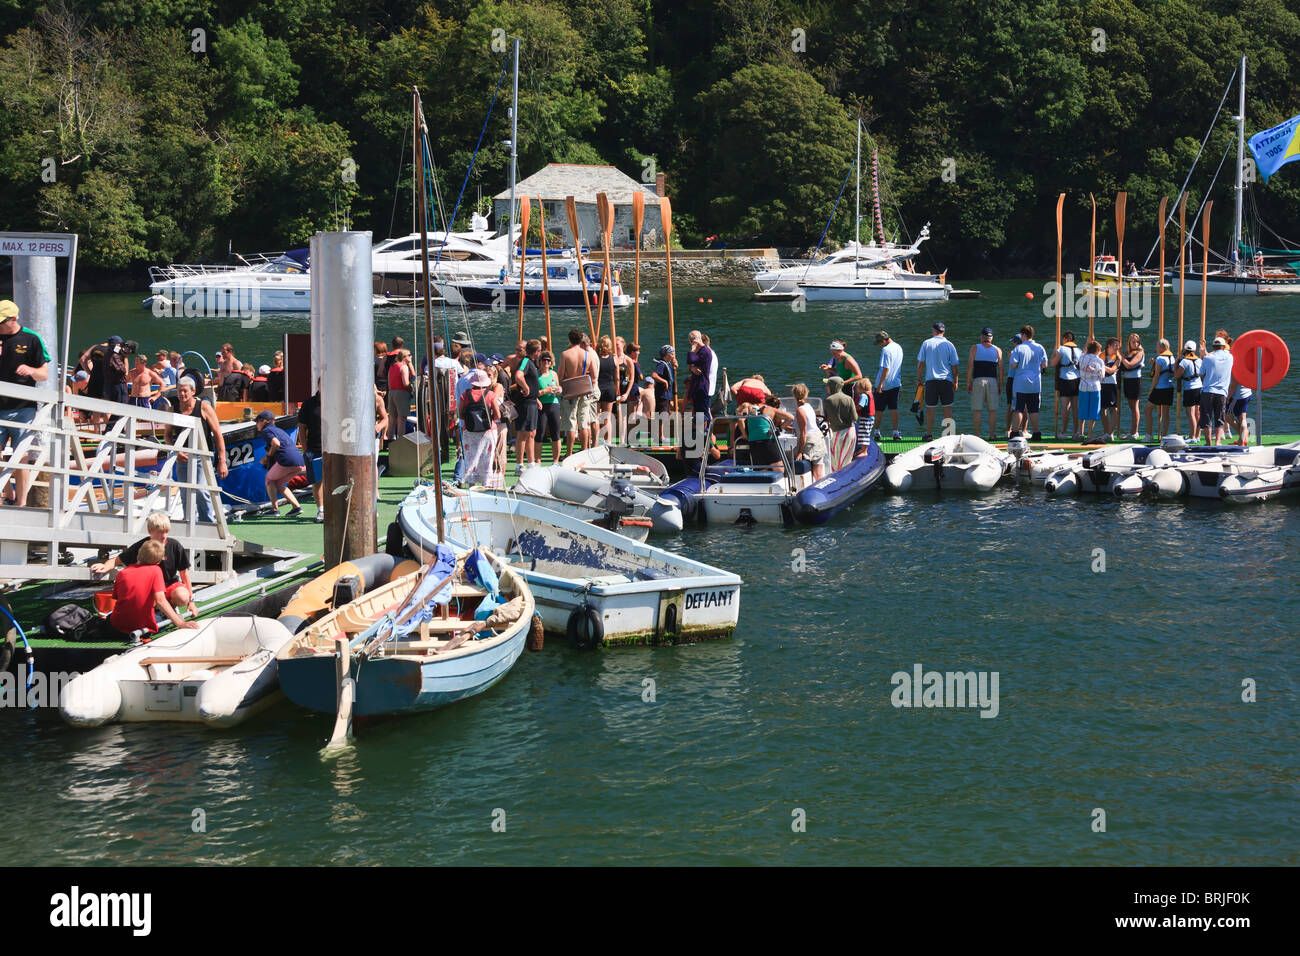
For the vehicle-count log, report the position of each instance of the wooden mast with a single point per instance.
(422, 216)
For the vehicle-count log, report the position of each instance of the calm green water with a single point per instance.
(1119, 690)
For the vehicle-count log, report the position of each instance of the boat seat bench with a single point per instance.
(150, 661)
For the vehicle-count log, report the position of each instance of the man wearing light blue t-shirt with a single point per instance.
(889, 380)
(1028, 362)
(1216, 377)
(936, 366)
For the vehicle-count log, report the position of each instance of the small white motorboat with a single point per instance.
(218, 675)
(1227, 472)
(955, 462)
(611, 515)
(592, 586)
(611, 486)
(616, 461)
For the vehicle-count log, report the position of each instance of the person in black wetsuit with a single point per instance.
(606, 384)
(524, 390)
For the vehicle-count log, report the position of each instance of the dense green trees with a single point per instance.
(168, 129)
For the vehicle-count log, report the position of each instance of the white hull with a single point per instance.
(199, 684)
(1256, 474)
(231, 296)
(955, 462)
(883, 291)
(1237, 285)
(641, 594)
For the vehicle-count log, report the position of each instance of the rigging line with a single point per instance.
(505, 63)
(401, 165)
(830, 218)
(1191, 229)
(1173, 207)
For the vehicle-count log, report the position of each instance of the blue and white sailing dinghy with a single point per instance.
(591, 585)
(437, 635)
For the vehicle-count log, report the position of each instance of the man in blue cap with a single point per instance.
(936, 366)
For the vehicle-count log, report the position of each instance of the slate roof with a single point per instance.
(557, 180)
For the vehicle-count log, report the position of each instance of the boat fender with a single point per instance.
(536, 634)
(585, 628)
(395, 543)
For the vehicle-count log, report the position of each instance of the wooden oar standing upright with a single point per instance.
(1205, 265)
(1182, 269)
(600, 298)
(638, 218)
(1092, 264)
(571, 208)
(1160, 223)
(525, 209)
(666, 212)
(546, 291)
(1060, 291)
(606, 209)
(1121, 205)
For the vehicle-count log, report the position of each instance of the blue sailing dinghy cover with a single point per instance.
(480, 572)
(386, 628)
(444, 564)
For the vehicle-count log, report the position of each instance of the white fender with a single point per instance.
(1063, 482)
(984, 475)
(91, 699)
(899, 477)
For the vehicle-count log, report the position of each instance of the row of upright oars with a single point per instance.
(1121, 202)
(1121, 205)
(605, 212)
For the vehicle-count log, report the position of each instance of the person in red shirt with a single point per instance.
(138, 590)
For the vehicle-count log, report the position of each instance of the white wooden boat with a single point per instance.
(954, 462)
(402, 655)
(627, 523)
(591, 585)
(219, 675)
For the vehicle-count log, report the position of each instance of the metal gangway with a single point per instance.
(97, 489)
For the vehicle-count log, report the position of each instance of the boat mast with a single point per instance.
(514, 155)
(857, 203)
(422, 220)
(1241, 159)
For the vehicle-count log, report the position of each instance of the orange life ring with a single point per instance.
(1277, 358)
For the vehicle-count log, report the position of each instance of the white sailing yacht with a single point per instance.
(1235, 277)
(891, 277)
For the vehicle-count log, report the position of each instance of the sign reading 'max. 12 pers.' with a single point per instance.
(57, 245)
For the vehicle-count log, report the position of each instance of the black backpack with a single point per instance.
(474, 412)
(72, 622)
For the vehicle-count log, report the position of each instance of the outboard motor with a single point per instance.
(1018, 446)
(1173, 443)
(620, 499)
